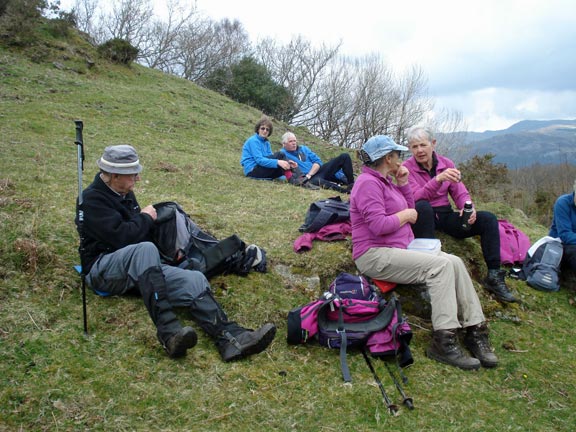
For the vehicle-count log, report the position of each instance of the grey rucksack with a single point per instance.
(541, 268)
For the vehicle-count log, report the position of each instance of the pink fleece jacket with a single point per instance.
(427, 188)
(374, 202)
(330, 232)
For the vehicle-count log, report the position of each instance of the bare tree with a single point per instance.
(130, 20)
(205, 46)
(158, 46)
(85, 11)
(376, 99)
(362, 97)
(332, 116)
(342, 100)
(127, 19)
(413, 101)
(451, 132)
(298, 67)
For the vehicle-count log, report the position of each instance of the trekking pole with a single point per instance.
(408, 401)
(80, 146)
(391, 407)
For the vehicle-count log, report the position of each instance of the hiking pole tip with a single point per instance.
(409, 402)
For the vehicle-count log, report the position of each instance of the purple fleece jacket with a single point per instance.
(374, 202)
(427, 188)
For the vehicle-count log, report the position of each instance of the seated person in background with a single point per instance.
(328, 175)
(381, 211)
(434, 179)
(564, 227)
(118, 257)
(258, 161)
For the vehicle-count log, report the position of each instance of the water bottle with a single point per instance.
(466, 213)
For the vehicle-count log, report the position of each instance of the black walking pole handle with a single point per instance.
(80, 141)
(80, 144)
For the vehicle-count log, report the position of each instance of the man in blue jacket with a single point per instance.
(564, 227)
(259, 162)
(336, 174)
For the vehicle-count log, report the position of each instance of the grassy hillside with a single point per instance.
(118, 378)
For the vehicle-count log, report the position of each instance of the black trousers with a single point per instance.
(271, 173)
(328, 170)
(569, 257)
(446, 220)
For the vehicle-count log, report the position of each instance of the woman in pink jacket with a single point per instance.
(381, 213)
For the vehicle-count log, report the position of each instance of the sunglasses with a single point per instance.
(265, 128)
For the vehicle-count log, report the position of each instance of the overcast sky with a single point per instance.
(496, 61)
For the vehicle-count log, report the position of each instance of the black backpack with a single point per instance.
(325, 212)
(541, 270)
(183, 244)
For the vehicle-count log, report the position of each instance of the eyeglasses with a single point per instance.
(265, 128)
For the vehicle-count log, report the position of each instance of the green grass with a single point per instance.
(118, 378)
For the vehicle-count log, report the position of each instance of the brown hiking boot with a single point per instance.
(477, 341)
(445, 349)
(246, 343)
(180, 342)
(494, 283)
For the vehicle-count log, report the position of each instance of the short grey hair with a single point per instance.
(287, 136)
(419, 132)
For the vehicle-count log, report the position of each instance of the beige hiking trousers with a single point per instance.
(453, 298)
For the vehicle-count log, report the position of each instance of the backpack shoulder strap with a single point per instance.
(377, 323)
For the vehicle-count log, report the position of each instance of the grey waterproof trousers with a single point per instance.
(118, 272)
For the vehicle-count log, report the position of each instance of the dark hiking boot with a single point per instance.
(308, 185)
(477, 341)
(246, 343)
(304, 182)
(177, 345)
(330, 185)
(494, 284)
(444, 348)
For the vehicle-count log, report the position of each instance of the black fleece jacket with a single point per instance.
(111, 222)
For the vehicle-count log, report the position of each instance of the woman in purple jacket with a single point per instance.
(381, 213)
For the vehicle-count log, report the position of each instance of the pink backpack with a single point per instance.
(352, 314)
(514, 244)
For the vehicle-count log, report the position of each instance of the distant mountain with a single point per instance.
(524, 143)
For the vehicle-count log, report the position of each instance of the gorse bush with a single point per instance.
(22, 21)
(19, 20)
(250, 83)
(118, 51)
